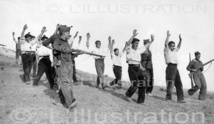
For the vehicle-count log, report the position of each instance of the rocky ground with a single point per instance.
(23, 104)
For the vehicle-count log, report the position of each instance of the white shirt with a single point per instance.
(44, 51)
(99, 51)
(134, 56)
(34, 47)
(117, 59)
(27, 46)
(171, 56)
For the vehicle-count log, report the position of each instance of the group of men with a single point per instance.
(55, 57)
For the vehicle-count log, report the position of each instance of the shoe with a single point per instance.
(181, 101)
(56, 103)
(104, 86)
(189, 93)
(142, 104)
(119, 87)
(35, 85)
(167, 99)
(128, 99)
(27, 82)
(73, 104)
(149, 94)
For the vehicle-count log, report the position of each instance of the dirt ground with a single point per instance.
(24, 104)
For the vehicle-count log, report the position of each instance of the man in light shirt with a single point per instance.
(99, 61)
(116, 57)
(18, 48)
(135, 69)
(45, 64)
(172, 73)
(26, 48)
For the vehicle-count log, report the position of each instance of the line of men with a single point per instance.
(56, 59)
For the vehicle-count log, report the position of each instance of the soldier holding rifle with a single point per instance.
(196, 68)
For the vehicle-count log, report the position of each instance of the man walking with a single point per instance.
(117, 64)
(62, 52)
(99, 61)
(196, 67)
(26, 48)
(135, 69)
(172, 73)
(146, 62)
(18, 48)
(45, 64)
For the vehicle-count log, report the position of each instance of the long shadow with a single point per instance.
(110, 91)
(119, 95)
(158, 97)
(51, 93)
(42, 82)
(164, 90)
(88, 83)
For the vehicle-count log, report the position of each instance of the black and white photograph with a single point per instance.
(106, 62)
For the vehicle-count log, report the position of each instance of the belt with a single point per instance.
(44, 56)
(134, 65)
(171, 64)
(117, 66)
(25, 52)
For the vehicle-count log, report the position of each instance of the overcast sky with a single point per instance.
(193, 19)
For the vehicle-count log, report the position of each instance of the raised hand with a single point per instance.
(113, 42)
(57, 26)
(135, 33)
(80, 38)
(180, 37)
(43, 30)
(13, 33)
(88, 35)
(126, 44)
(109, 38)
(25, 27)
(168, 33)
(152, 37)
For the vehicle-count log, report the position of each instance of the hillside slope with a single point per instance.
(21, 103)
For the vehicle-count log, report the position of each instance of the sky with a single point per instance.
(193, 19)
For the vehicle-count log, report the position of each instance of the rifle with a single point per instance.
(2, 45)
(191, 79)
(191, 73)
(87, 53)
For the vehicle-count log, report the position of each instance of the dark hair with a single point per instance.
(170, 43)
(44, 38)
(18, 38)
(197, 53)
(97, 41)
(116, 49)
(135, 40)
(146, 41)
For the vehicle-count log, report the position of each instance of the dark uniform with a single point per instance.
(64, 68)
(198, 77)
(74, 68)
(146, 62)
